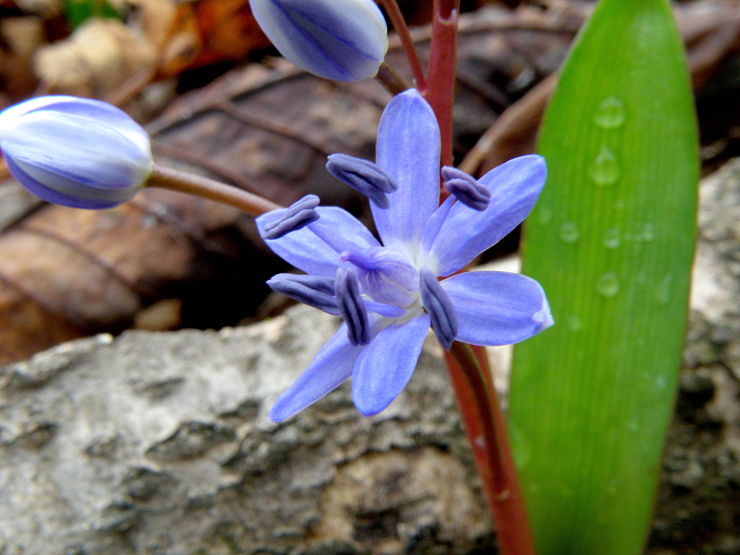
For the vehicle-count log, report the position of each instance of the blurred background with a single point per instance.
(218, 100)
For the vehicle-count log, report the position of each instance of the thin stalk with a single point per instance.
(390, 79)
(486, 428)
(440, 90)
(399, 24)
(175, 180)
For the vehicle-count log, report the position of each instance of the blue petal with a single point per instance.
(70, 198)
(385, 365)
(497, 308)
(332, 365)
(83, 107)
(466, 233)
(315, 249)
(345, 41)
(408, 151)
(82, 149)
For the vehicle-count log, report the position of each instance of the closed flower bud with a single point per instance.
(342, 40)
(74, 151)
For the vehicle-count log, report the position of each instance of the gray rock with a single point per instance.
(160, 443)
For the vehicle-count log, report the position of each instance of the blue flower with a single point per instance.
(75, 151)
(387, 290)
(342, 40)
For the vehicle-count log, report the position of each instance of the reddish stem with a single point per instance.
(441, 80)
(399, 24)
(192, 184)
(486, 429)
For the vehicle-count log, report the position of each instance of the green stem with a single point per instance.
(175, 180)
(399, 24)
(486, 429)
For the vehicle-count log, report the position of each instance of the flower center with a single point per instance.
(385, 275)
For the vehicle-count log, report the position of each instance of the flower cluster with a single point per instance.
(387, 290)
(75, 151)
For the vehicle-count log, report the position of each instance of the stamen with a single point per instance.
(347, 291)
(363, 176)
(314, 291)
(439, 307)
(466, 189)
(294, 217)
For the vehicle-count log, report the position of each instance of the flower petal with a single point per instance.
(385, 365)
(67, 192)
(85, 150)
(466, 233)
(408, 151)
(332, 365)
(497, 308)
(315, 249)
(84, 107)
(345, 41)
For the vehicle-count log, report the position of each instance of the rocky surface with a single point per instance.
(159, 443)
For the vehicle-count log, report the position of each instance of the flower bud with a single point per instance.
(75, 151)
(342, 40)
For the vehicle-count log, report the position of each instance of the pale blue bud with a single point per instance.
(344, 40)
(75, 151)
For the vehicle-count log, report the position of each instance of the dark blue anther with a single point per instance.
(315, 291)
(294, 217)
(347, 291)
(466, 189)
(439, 307)
(363, 176)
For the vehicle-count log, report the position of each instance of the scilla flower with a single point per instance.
(387, 291)
(344, 40)
(74, 151)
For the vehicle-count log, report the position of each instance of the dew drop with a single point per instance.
(612, 238)
(520, 446)
(633, 425)
(612, 489)
(664, 289)
(608, 284)
(605, 169)
(660, 382)
(569, 232)
(646, 233)
(544, 214)
(610, 113)
(574, 323)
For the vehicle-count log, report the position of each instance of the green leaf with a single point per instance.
(611, 240)
(78, 11)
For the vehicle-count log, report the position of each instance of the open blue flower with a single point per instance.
(387, 291)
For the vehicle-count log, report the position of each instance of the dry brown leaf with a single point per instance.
(98, 57)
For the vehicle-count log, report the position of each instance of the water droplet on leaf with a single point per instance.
(612, 238)
(608, 284)
(610, 113)
(544, 214)
(646, 233)
(605, 169)
(664, 289)
(520, 446)
(574, 323)
(569, 232)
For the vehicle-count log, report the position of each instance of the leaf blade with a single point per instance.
(611, 241)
